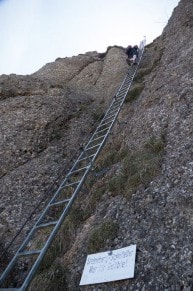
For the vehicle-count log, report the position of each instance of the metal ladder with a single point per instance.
(57, 209)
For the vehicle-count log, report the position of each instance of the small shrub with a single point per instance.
(141, 73)
(96, 195)
(146, 166)
(155, 145)
(111, 156)
(158, 58)
(117, 184)
(106, 231)
(53, 252)
(52, 279)
(57, 279)
(76, 216)
(138, 168)
(62, 240)
(134, 93)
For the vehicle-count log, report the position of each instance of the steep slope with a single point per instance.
(144, 194)
(141, 189)
(45, 118)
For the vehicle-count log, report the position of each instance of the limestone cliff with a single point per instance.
(44, 120)
(144, 195)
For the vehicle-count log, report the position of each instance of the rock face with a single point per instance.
(145, 193)
(45, 118)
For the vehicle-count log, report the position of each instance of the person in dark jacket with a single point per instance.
(128, 51)
(132, 54)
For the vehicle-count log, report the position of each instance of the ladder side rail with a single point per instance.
(53, 233)
(110, 127)
(10, 266)
(129, 76)
(30, 235)
(118, 110)
(112, 103)
(108, 132)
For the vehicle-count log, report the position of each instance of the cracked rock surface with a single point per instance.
(157, 216)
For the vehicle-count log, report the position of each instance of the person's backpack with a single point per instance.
(129, 51)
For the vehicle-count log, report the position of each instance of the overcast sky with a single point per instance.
(35, 32)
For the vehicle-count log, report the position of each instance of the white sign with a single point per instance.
(109, 266)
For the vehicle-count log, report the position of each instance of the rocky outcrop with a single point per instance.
(141, 189)
(45, 118)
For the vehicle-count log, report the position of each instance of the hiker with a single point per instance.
(133, 54)
(128, 51)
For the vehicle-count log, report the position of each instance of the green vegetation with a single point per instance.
(95, 196)
(155, 145)
(158, 58)
(52, 279)
(106, 231)
(55, 249)
(62, 241)
(141, 73)
(134, 92)
(138, 168)
(75, 217)
(111, 155)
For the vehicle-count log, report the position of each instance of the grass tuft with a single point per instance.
(134, 93)
(138, 168)
(106, 231)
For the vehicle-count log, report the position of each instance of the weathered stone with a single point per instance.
(42, 128)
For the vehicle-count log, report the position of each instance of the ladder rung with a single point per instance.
(122, 92)
(98, 138)
(70, 185)
(102, 130)
(129, 80)
(87, 157)
(123, 89)
(119, 98)
(108, 118)
(114, 105)
(46, 224)
(113, 110)
(60, 202)
(78, 170)
(110, 115)
(97, 145)
(28, 253)
(102, 124)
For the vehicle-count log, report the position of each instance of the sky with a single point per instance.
(36, 32)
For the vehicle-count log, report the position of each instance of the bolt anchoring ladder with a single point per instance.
(32, 251)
